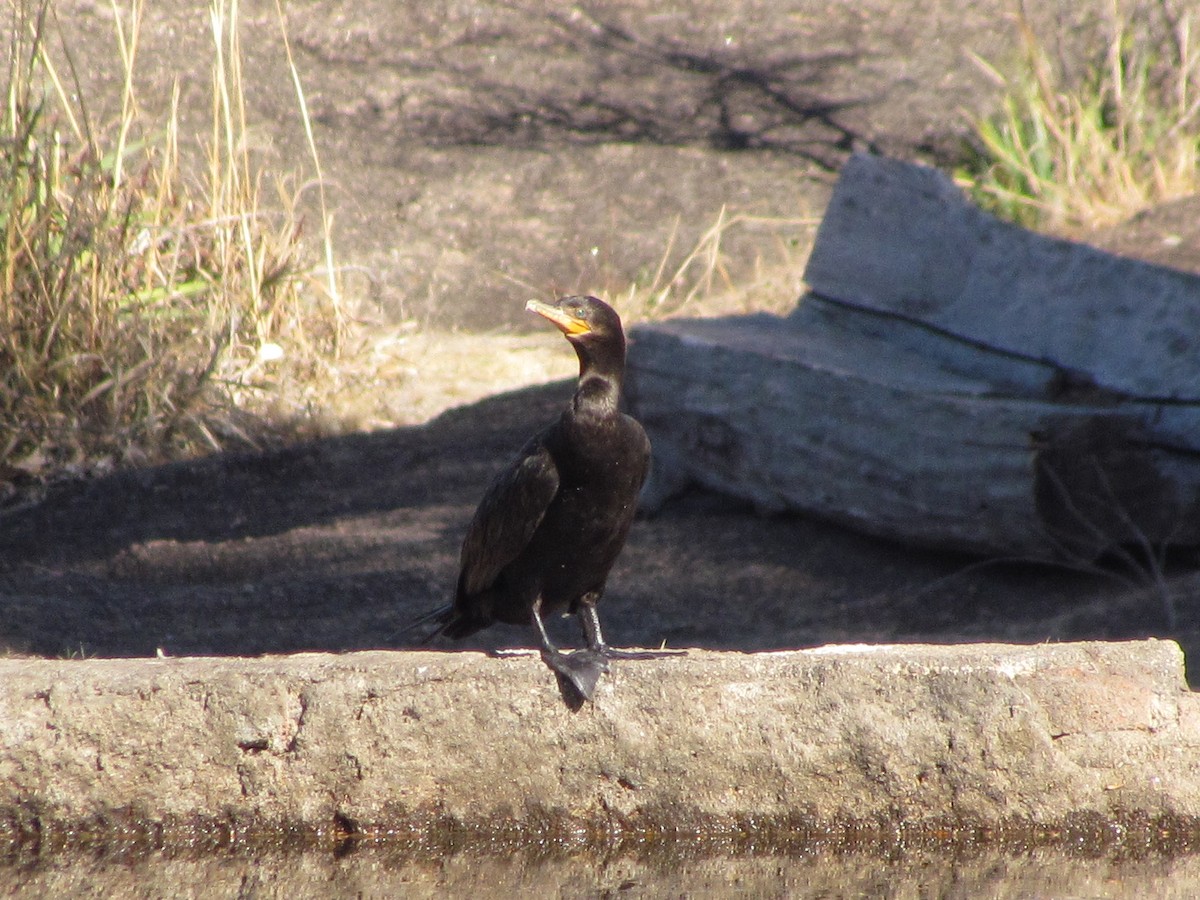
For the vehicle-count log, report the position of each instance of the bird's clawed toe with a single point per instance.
(610, 653)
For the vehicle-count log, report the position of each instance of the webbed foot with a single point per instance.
(581, 668)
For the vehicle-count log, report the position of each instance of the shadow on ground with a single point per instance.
(621, 82)
(335, 544)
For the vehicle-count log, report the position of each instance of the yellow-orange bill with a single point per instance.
(566, 323)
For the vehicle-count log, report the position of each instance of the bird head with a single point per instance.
(594, 330)
(581, 319)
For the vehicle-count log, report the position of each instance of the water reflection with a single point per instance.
(381, 871)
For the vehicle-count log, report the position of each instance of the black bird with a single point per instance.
(551, 525)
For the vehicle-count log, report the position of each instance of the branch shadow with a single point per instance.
(599, 82)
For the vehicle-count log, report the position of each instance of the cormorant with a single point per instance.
(551, 524)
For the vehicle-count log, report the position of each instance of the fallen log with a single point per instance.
(949, 380)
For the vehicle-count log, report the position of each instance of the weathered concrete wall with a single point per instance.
(984, 735)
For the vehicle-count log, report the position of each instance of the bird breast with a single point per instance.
(604, 459)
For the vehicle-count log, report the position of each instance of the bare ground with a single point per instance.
(483, 152)
(334, 544)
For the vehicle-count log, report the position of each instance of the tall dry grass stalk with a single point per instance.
(700, 284)
(143, 309)
(1071, 154)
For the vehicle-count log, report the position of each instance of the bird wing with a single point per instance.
(510, 512)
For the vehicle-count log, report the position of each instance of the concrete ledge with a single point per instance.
(975, 736)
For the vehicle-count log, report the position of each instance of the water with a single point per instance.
(668, 870)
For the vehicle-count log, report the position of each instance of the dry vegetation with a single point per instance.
(143, 310)
(1074, 150)
(157, 300)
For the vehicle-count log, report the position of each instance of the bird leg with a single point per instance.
(582, 668)
(590, 620)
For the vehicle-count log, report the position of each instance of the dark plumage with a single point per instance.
(551, 525)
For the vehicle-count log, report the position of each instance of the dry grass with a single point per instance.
(1073, 153)
(158, 301)
(700, 284)
(143, 310)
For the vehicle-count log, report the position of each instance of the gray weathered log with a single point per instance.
(906, 398)
(973, 736)
(902, 239)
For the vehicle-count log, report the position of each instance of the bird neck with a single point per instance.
(597, 394)
(600, 377)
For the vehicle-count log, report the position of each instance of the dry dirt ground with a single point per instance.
(481, 151)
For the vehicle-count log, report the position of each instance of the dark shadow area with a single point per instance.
(335, 544)
(242, 496)
(327, 544)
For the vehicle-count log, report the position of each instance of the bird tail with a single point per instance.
(443, 617)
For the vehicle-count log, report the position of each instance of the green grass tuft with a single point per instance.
(1071, 154)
